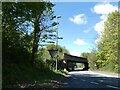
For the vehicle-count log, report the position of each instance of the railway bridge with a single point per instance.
(76, 59)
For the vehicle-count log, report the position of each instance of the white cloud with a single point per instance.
(99, 27)
(104, 17)
(88, 30)
(104, 10)
(79, 42)
(75, 53)
(79, 19)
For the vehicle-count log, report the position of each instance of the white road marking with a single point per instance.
(112, 86)
(94, 82)
(65, 83)
(101, 80)
(83, 80)
(74, 77)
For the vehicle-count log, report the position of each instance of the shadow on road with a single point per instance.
(77, 80)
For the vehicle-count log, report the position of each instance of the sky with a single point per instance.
(81, 24)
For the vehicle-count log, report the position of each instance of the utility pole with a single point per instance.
(57, 41)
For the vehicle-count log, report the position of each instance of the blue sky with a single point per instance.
(81, 24)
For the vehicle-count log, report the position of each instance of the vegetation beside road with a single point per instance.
(28, 32)
(106, 72)
(23, 76)
(105, 57)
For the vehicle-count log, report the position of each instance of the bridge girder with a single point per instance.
(70, 58)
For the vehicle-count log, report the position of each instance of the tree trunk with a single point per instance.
(35, 39)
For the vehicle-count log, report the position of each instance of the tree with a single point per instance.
(61, 50)
(42, 16)
(108, 46)
(13, 37)
(43, 54)
(92, 59)
(25, 25)
(85, 55)
(19, 17)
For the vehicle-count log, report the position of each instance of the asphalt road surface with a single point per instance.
(89, 79)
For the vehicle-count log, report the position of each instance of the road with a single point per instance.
(89, 79)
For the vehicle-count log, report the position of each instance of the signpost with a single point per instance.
(53, 54)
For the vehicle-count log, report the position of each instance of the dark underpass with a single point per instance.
(75, 59)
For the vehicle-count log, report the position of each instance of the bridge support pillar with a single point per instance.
(86, 66)
(66, 65)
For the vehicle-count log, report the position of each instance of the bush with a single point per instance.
(117, 69)
(22, 74)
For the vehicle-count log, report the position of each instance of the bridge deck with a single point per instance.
(71, 58)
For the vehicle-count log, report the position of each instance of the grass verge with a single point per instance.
(25, 76)
(107, 72)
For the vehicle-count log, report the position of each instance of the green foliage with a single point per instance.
(20, 17)
(106, 57)
(85, 55)
(18, 76)
(62, 72)
(92, 59)
(72, 65)
(108, 47)
(61, 50)
(43, 54)
(24, 27)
